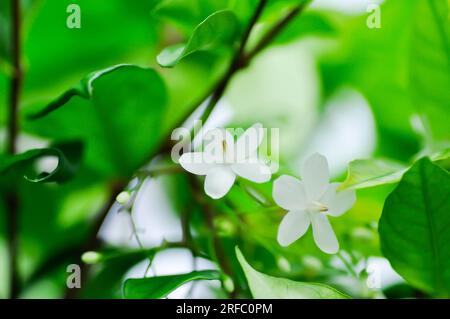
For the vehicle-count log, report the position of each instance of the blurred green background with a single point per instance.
(329, 82)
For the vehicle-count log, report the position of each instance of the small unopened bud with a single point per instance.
(91, 257)
(228, 284)
(123, 198)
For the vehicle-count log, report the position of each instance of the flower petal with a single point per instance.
(196, 163)
(316, 176)
(253, 170)
(289, 193)
(219, 181)
(248, 143)
(293, 226)
(338, 202)
(323, 233)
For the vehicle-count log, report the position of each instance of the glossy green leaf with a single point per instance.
(69, 156)
(84, 89)
(120, 124)
(219, 29)
(372, 172)
(415, 228)
(161, 286)
(263, 286)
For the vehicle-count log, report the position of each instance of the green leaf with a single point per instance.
(84, 89)
(372, 172)
(430, 64)
(120, 124)
(161, 286)
(263, 286)
(112, 265)
(415, 228)
(69, 156)
(220, 28)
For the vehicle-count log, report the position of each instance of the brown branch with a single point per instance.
(11, 199)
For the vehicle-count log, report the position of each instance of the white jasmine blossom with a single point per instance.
(311, 201)
(223, 159)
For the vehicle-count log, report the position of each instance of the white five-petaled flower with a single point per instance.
(310, 201)
(223, 159)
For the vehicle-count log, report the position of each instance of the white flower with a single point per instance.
(310, 201)
(223, 159)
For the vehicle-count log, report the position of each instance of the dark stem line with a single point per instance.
(12, 201)
(275, 31)
(208, 212)
(93, 242)
(236, 63)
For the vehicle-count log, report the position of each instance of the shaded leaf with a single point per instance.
(111, 267)
(84, 89)
(161, 286)
(120, 124)
(69, 157)
(220, 28)
(263, 286)
(415, 228)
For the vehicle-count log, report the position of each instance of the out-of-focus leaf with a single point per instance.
(110, 270)
(187, 14)
(5, 30)
(372, 172)
(430, 65)
(263, 286)
(220, 28)
(404, 54)
(120, 125)
(84, 89)
(415, 228)
(161, 286)
(69, 156)
(311, 23)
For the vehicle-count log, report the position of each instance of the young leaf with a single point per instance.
(161, 286)
(263, 286)
(372, 172)
(415, 228)
(84, 89)
(220, 28)
(68, 154)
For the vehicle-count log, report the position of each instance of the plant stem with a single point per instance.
(236, 63)
(275, 31)
(93, 242)
(12, 201)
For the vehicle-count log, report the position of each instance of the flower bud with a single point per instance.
(123, 198)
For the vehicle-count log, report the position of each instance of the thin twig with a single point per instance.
(275, 31)
(12, 200)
